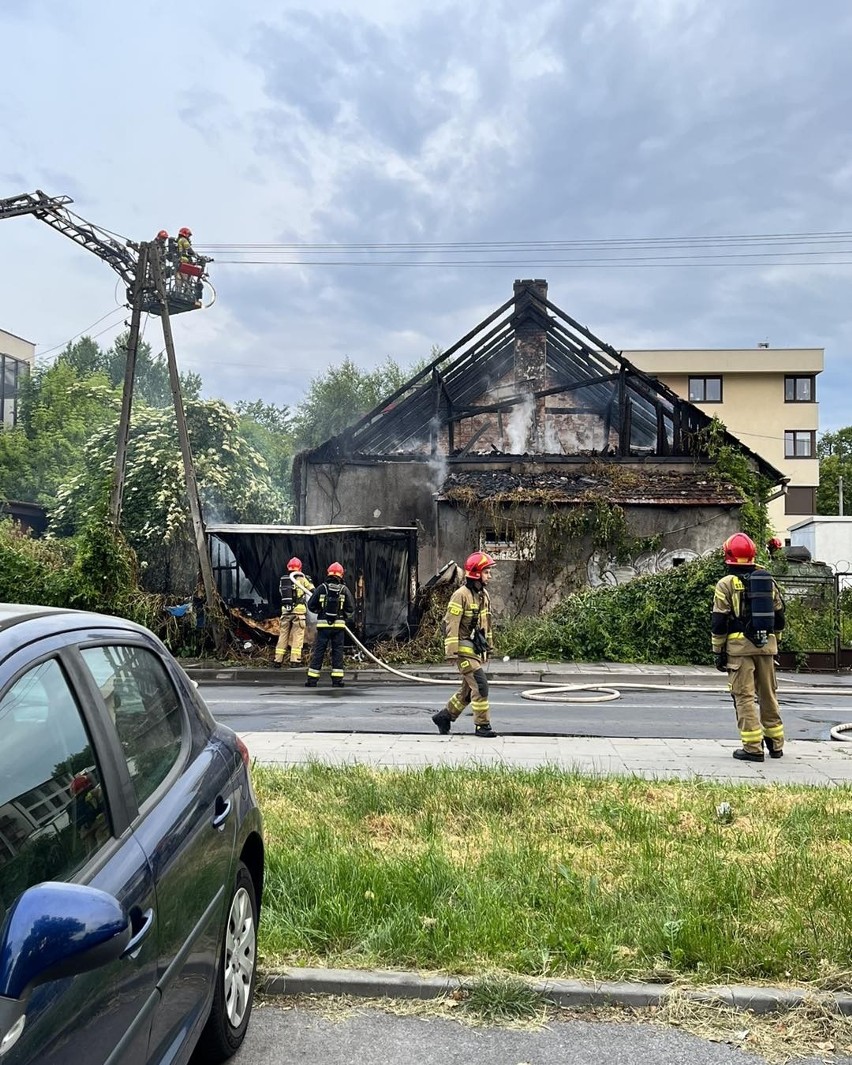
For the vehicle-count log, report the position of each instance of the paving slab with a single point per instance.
(817, 762)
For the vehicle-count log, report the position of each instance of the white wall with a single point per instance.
(828, 539)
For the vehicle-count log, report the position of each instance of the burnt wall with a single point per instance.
(376, 493)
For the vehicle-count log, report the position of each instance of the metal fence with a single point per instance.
(818, 635)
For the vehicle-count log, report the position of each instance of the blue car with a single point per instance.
(131, 851)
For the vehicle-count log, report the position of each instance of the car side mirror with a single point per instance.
(54, 930)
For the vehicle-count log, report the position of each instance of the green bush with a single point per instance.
(664, 617)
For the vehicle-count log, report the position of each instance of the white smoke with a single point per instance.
(552, 443)
(519, 426)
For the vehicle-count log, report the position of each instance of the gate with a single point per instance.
(844, 618)
(815, 603)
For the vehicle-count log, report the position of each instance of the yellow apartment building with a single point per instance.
(767, 397)
(17, 357)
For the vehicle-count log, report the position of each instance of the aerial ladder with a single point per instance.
(154, 284)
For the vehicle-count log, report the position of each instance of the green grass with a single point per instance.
(549, 873)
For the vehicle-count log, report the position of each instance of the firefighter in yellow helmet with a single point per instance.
(468, 640)
(748, 612)
(294, 589)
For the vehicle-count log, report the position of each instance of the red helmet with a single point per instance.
(162, 235)
(185, 231)
(82, 782)
(477, 564)
(740, 550)
(774, 544)
(335, 570)
(294, 563)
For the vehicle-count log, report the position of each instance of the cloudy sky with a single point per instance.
(381, 122)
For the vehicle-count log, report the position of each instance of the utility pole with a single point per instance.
(840, 496)
(210, 594)
(123, 434)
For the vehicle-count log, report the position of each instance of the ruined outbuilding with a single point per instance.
(535, 440)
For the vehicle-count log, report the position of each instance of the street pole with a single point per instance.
(210, 594)
(123, 434)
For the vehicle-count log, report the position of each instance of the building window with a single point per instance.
(800, 389)
(799, 443)
(705, 390)
(517, 547)
(800, 501)
(11, 374)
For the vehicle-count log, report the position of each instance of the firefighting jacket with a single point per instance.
(295, 601)
(333, 604)
(468, 611)
(729, 618)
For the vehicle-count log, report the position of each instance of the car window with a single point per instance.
(145, 707)
(53, 812)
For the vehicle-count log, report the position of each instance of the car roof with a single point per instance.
(21, 623)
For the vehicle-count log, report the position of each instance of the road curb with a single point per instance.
(296, 678)
(380, 983)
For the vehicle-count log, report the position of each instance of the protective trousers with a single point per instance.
(327, 635)
(473, 690)
(291, 635)
(750, 678)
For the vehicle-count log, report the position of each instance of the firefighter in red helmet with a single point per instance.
(748, 613)
(334, 605)
(468, 641)
(185, 254)
(294, 588)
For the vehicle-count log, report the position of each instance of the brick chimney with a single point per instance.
(529, 322)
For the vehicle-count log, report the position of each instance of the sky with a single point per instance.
(385, 123)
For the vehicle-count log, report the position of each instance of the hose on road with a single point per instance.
(601, 693)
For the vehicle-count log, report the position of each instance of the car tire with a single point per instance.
(226, 1026)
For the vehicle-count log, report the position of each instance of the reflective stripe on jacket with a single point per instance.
(467, 611)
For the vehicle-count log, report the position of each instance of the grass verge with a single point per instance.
(549, 873)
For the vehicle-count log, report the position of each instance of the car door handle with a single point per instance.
(135, 945)
(222, 810)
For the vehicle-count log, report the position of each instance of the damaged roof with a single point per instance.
(634, 487)
(423, 417)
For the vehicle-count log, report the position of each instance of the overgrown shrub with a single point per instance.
(664, 617)
(95, 570)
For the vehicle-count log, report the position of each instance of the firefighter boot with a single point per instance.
(336, 682)
(311, 682)
(748, 756)
(770, 746)
(276, 664)
(443, 721)
(485, 732)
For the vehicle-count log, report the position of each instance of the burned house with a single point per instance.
(534, 440)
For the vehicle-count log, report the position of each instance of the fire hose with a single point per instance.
(600, 693)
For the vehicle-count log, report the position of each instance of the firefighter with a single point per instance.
(748, 611)
(185, 254)
(468, 640)
(333, 604)
(161, 242)
(294, 588)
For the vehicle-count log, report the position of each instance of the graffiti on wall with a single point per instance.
(606, 571)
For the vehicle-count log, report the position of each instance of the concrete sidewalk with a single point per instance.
(823, 763)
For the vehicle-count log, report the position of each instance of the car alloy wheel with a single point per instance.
(240, 956)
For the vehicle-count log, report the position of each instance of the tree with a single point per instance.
(342, 395)
(151, 376)
(233, 482)
(59, 410)
(268, 428)
(835, 461)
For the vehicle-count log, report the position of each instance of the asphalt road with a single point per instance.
(278, 1035)
(407, 708)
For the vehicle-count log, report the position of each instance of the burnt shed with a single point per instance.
(380, 567)
(535, 440)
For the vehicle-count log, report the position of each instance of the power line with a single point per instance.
(584, 264)
(83, 332)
